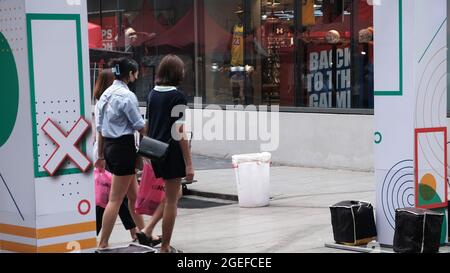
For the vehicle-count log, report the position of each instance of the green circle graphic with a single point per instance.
(379, 136)
(9, 103)
(426, 192)
(428, 196)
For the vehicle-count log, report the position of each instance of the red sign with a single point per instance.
(109, 31)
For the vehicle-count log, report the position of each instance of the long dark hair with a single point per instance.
(121, 68)
(105, 79)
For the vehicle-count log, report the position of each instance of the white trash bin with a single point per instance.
(252, 173)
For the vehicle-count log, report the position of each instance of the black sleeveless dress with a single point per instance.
(159, 115)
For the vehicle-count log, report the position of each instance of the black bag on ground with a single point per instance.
(417, 230)
(353, 223)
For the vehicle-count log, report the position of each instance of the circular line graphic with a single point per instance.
(443, 104)
(427, 91)
(409, 203)
(88, 207)
(397, 189)
(436, 114)
(427, 137)
(394, 197)
(406, 184)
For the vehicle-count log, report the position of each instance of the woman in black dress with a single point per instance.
(165, 111)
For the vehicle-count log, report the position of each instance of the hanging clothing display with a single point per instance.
(237, 46)
(308, 13)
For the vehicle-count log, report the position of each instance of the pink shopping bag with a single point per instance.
(103, 181)
(151, 191)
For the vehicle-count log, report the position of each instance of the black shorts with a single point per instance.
(173, 165)
(120, 155)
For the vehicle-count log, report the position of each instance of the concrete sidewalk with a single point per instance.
(297, 220)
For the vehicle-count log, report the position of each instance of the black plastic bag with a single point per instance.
(417, 230)
(353, 222)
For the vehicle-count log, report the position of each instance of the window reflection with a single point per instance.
(309, 53)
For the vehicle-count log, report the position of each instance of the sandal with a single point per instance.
(144, 240)
(156, 242)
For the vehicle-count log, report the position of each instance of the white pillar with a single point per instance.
(410, 109)
(44, 75)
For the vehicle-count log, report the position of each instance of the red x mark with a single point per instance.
(67, 145)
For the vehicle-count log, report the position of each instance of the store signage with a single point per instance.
(319, 79)
(109, 30)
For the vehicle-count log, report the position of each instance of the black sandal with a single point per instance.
(144, 240)
(156, 242)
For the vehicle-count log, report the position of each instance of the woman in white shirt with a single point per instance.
(104, 80)
(117, 118)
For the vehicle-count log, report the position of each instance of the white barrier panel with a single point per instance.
(46, 188)
(410, 109)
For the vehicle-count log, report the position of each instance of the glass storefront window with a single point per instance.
(144, 30)
(336, 54)
(326, 54)
(256, 64)
(297, 53)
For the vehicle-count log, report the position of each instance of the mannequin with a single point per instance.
(237, 44)
(238, 71)
(237, 75)
(365, 38)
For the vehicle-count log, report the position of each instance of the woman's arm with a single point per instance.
(184, 144)
(100, 163)
(144, 130)
(98, 121)
(131, 111)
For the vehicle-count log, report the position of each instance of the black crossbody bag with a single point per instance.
(153, 149)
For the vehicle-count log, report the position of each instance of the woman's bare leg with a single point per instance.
(156, 217)
(119, 188)
(170, 212)
(132, 196)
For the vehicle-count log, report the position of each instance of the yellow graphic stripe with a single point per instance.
(17, 247)
(18, 231)
(47, 232)
(68, 246)
(66, 230)
(56, 248)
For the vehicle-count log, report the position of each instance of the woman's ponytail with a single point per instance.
(122, 68)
